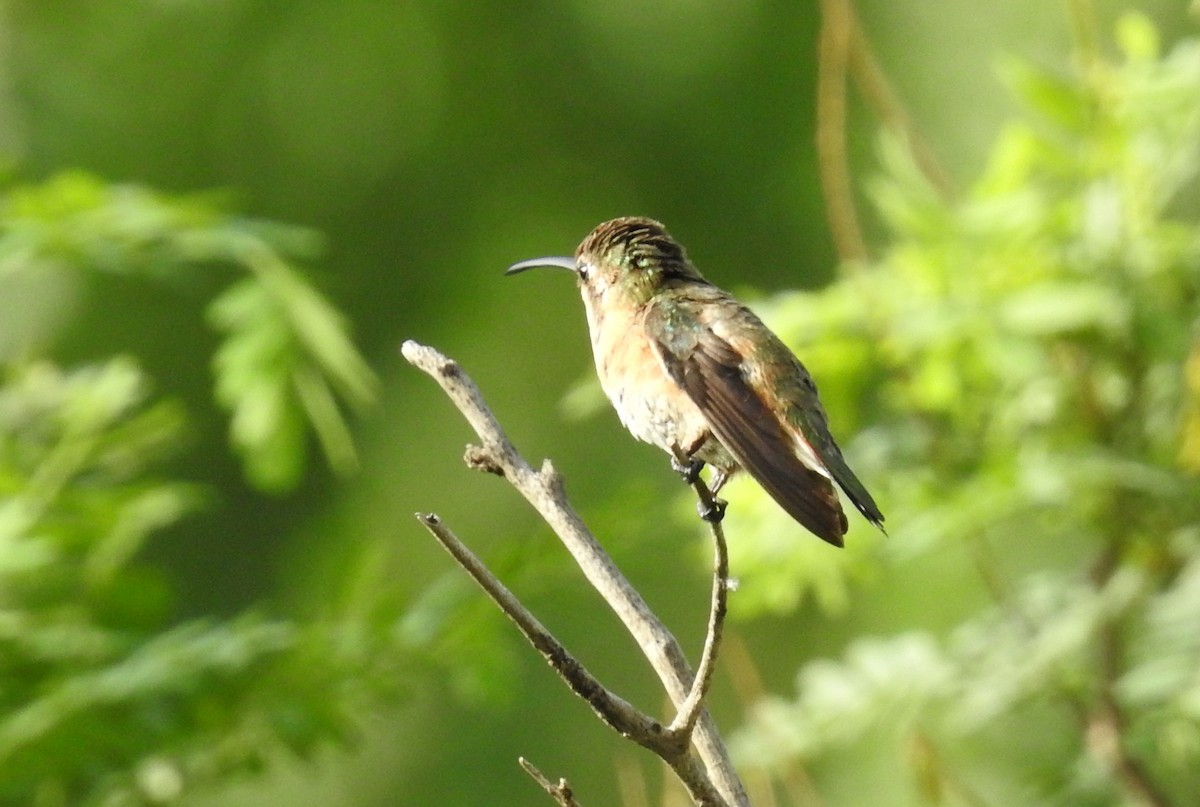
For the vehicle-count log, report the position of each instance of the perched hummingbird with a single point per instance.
(693, 371)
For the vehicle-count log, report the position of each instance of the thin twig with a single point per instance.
(672, 747)
(689, 711)
(560, 791)
(873, 83)
(844, 51)
(544, 490)
(1104, 733)
(622, 716)
(1105, 721)
(832, 160)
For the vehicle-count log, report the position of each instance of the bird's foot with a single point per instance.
(719, 479)
(690, 470)
(713, 512)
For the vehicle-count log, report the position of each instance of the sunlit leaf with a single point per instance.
(1059, 98)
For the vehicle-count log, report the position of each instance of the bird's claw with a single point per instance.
(690, 470)
(712, 512)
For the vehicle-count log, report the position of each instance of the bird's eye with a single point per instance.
(584, 270)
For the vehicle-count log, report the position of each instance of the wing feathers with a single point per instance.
(710, 374)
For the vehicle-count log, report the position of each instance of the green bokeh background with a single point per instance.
(433, 144)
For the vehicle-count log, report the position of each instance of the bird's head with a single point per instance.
(626, 260)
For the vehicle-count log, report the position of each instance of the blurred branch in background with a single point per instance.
(1027, 368)
(846, 53)
(1015, 366)
(544, 490)
(838, 28)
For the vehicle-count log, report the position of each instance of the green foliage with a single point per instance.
(103, 700)
(1027, 356)
(286, 361)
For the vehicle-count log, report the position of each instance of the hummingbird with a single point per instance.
(691, 370)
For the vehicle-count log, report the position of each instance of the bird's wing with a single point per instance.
(709, 370)
(831, 457)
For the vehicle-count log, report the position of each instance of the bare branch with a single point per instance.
(560, 791)
(685, 721)
(844, 51)
(878, 91)
(833, 162)
(619, 714)
(544, 490)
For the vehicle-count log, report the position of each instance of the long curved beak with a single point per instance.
(558, 262)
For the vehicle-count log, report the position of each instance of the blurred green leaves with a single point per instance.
(1036, 649)
(102, 699)
(85, 684)
(1007, 377)
(1027, 357)
(287, 363)
(75, 450)
(284, 366)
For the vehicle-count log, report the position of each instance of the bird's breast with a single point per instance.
(649, 403)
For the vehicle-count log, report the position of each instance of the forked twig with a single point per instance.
(614, 711)
(560, 791)
(708, 774)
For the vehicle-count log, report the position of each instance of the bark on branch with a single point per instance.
(707, 772)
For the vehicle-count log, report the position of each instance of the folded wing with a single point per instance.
(709, 370)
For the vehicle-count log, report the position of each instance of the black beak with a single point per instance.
(558, 262)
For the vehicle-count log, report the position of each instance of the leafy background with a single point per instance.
(219, 220)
